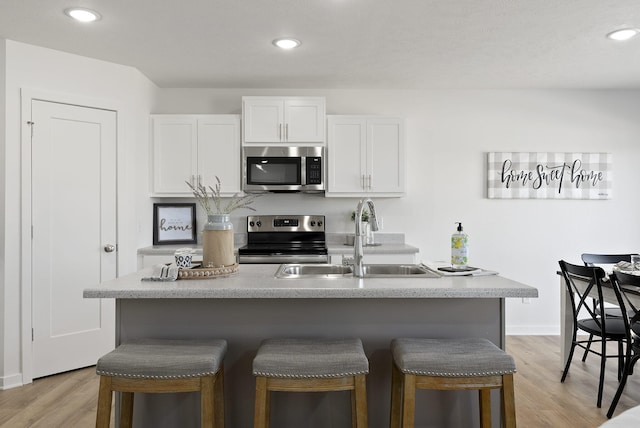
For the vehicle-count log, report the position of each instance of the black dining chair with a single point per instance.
(627, 285)
(601, 260)
(584, 283)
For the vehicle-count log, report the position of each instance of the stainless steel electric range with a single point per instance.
(285, 239)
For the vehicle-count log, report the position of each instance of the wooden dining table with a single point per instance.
(566, 317)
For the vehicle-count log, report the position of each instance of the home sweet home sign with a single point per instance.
(549, 175)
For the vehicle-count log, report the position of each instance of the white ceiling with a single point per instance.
(394, 44)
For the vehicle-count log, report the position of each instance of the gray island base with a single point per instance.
(252, 305)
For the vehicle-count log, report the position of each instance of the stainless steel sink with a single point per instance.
(342, 271)
(312, 270)
(405, 270)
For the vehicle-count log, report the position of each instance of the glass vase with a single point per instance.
(217, 242)
(368, 233)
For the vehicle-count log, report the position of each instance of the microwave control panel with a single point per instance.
(314, 170)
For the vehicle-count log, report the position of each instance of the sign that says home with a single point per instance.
(549, 175)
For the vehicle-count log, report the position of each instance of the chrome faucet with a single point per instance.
(358, 269)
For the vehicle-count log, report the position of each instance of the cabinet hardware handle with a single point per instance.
(286, 132)
(109, 248)
(280, 131)
(193, 180)
(362, 182)
(369, 181)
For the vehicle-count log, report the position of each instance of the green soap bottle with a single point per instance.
(459, 248)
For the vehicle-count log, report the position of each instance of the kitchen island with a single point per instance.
(253, 305)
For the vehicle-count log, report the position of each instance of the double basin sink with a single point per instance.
(310, 270)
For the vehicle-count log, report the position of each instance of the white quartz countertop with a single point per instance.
(385, 248)
(386, 243)
(256, 281)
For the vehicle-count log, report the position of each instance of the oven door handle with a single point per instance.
(282, 258)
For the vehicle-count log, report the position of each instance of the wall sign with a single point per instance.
(174, 224)
(549, 175)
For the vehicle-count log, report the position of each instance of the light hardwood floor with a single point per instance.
(69, 399)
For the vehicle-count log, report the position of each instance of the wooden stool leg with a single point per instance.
(206, 401)
(103, 414)
(508, 401)
(126, 410)
(408, 400)
(261, 411)
(218, 399)
(360, 393)
(396, 396)
(354, 416)
(485, 408)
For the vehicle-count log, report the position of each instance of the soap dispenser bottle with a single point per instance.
(459, 248)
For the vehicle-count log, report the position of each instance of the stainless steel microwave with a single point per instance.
(282, 169)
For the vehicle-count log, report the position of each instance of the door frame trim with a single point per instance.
(27, 95)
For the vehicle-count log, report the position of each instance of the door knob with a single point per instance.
(109, 248)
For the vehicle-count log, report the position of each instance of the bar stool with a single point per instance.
(311, 365)
(450, 364)
(157, 366)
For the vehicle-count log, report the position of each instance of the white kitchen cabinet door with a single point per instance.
(292, 120)
(365, 156)
(195, 148)
(174, 153)
(385, 156)
(304, 120)
(219, 151)
(346, 155)
(263, 120)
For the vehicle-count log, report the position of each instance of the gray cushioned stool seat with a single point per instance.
(310, 358)
(449, 365)
(451, 357)
(163, 359)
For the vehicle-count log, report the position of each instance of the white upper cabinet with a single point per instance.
(365, 156)
(291, 120)
(195, 148)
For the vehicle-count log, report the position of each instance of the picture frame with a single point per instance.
(549, 175)
(174, 223)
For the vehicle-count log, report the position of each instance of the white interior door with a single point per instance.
(73, 228)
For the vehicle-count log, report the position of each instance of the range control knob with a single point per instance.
(259, 223)
(320, 223)
(251, 224)
(313, 223)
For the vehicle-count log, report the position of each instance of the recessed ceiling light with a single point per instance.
(287, 43)
(82, 14)
(623, 34)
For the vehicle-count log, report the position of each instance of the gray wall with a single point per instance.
(61, 76)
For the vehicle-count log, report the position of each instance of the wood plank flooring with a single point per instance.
(65, 400)
(69, 399)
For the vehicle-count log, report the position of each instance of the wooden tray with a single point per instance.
(198, 272)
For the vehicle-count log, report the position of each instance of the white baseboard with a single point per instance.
(533, 330)
(8, 382)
